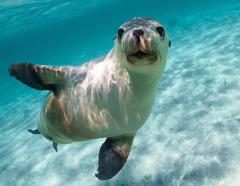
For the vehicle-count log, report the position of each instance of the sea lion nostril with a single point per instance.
(138, 33)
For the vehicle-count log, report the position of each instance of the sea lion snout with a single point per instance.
(138, 33)
(139, 46)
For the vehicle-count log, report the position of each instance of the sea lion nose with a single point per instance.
(138, 33)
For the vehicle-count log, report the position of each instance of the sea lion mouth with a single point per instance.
(138, 56)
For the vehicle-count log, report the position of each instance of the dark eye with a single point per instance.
(161, 31)
(120, 33)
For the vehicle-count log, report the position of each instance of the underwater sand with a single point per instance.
(192, 136)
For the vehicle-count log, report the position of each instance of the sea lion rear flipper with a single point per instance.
(41, 77)
(113, 155)
(36, 131)
(55, 146)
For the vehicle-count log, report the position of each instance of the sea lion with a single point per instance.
(111, 97)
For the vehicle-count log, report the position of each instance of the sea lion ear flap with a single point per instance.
(169, 43)
(113, 155)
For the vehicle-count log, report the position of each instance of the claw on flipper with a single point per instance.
(36, 131)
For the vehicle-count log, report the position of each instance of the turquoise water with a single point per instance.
(192, 136)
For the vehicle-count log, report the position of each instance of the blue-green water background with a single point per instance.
(192, 136)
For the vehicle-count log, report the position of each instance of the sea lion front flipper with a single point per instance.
(113, 155)
(41, 77)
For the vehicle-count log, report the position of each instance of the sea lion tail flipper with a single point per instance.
(113, 155)
(41, 77)
(36, 131)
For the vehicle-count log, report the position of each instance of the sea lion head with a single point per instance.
(142, 44)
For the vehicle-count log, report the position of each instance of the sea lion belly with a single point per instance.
(81, 113)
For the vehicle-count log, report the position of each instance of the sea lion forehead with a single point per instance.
(139, 22)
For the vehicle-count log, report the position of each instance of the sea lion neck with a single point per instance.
(143, 84)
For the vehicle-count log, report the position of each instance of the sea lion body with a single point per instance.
(102, 103)
(111, 97)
